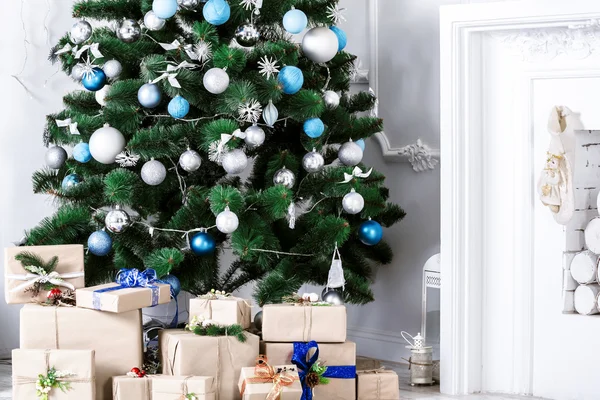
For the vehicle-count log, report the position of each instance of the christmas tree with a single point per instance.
(203, 128)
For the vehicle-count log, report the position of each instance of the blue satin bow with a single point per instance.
(301, 360)
(131, 278)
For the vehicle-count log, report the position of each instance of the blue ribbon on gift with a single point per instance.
(132, 278)
(301, 359)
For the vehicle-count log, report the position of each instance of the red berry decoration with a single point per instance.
(54, 294)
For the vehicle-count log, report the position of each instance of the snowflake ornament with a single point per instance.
(216, 152)
(336, 14)
(248, 4)
(203, 51)
(250, 111)
(268, 66)
(127, 159)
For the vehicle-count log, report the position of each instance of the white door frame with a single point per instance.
(462, 222)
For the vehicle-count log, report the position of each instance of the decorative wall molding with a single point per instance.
(375, 334)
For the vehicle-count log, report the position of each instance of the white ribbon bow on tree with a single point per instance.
(68, 122)
(41, 276)
(174, 45)
(78, 52)
(171, 73)
(217, 149)
(356, 172)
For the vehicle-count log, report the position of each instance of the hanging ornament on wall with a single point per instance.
(320, 44)
(56, 157)
(314, 127)
(129, 31)
(216, 80)
(353, 202)
(350, 154)
(149, 95)
(313, 162)
(100, 243)
(190, 160)
(153, 172)
(70, 181)
(341, 36)
(247, 35)
(227, 221)
(164, 9)
(106, 143)
(216, 12)
(333, 297)
(270, 114)
(101, 95)
(178, 107)
(189, 4)
(94, 79)
(331, 99)
(112, 69)
(80, 32)
(117, 220)
(370, 232)
(295, 21)
(203, 244)
(255, 136)
(284, 177)
(291, 79)
(234, 162)
(81, 153)
(77, 72)
(153, 22)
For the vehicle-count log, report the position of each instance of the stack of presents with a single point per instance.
(94, 349)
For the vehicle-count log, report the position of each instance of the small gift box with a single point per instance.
(159, 387)
(377, 384)
(30, 272)
(132, 290)
(53, 374)
(269, 382)
(303, 323)
(222, 309)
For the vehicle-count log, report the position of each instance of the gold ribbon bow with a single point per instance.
(265, 373)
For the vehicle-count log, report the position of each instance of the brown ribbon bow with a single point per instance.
(264, 373)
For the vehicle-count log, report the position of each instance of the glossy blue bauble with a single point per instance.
(94, 80)
(203, 244)
(100, 243)
(216, 12)
(295, 21)
(81, 153)
(149, 95)
(179, 107)
(314, 127)
(370, 233)
(70, 181)
(173, 281)
(361, 143)
(342, 38)
(291, 79)
(164, 8)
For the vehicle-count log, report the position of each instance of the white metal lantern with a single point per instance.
(421, 360)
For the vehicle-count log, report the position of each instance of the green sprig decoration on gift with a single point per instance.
(52, 380)
(209, 328)
(35, 264)
(315, 376)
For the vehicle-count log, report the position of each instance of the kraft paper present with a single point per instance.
(224, 311)
(70, 269)
(28, 364)
(127, 387)
(116, 338)
(292, 323)
(159, 387)
(254, 386)
(331, 354)
(122, 300)
(377, 384)
(366, 363)
(184, 353)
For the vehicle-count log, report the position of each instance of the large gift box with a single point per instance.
(67, 374)
(339, 358)
(184, 353)
(116, 338)
(263, 381)
(377, 384)
(160, 387)
(303, 323)
(67, 274)
(222, 310)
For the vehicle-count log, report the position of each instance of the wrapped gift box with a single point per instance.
(184, 353)
(293, 323)
(377, 384)
(331, 355)
(122, 299)
(259, 381)
(366, 363)
(159, 387)
(116, 338)
(69, 268)
(27, 365)
(224, 311)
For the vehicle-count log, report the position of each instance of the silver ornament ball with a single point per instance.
(247, 35)
(235, 162)
(332, 99)
(77, 72)
(284, 177)
(313, 162)
(117, 220)
(153, 22)
(190, 160)
(216, 80)
(189, 4)
(56, 157)
(320, 44)
(333, 297)
(227, 221)
(154, 173)
(129, 31)
(353, 202)
(350, 154)
(258, 320)
(112, 69)
(80, 32)
(255, 136)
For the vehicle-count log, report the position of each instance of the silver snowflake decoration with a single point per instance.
(203, 51)
(336, 14)
(268, 66)
(216, 152)
(248, 4)
(250, 111)
(127, 159)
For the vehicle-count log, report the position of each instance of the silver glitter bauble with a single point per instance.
(106, 143)
(101, 95)
(284, 177)
(80, 32)
(333, 297)
(235, 162)
(112, 69)
(77, 72)
(216, 80)
(154, 173)
(320, 44)
(247, 35)
(350, 154)
(313, 162)
(190, 160)
(153, 22)
(189, 4)
(117, 220)
(255, 136)
(332, 99)
(129, 31)
(258, 320)
(56, 157)
(227, 221)
(353, 202)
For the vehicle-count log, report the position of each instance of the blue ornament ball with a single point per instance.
(295, 21)
(149, 95)
(291, 79)
(179, 107)
(173, 281)
(70, 181)
(216, 12)
(361, 143)
(314, 127)
(81, 153)
(100, 243)
(370, 233)
(342, 38)
(94, 80)
(203, 244)
(164, 8)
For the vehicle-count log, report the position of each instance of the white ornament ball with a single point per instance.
(112, 69)
(216, 80)
(77, 72)
(106, 143)
(190, 161)
(313, 162)
(320, 44)
(154, 173)
(80, 32)
(353, 202)
(227, 221)
(153, 22)
(350, 154)
(255, 136)
(101, 95)
(235, 162)
(332, 99)
(56, 157)
(284, 177)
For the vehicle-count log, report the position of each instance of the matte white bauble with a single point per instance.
(154, 173)
(255, 136)
(227, 222)
(190, 160)
(101, 95)
(216, 80)
(235, 162)
(106, 143)
(332, 99)
(353, 202)
(112, 69)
